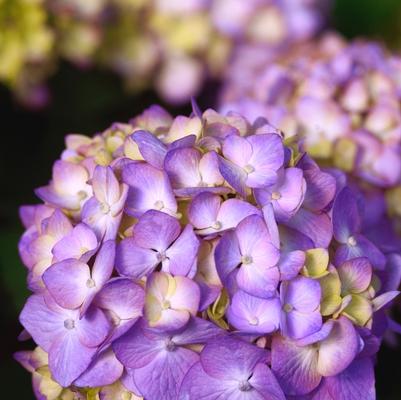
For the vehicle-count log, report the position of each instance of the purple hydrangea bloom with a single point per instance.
(208, 259)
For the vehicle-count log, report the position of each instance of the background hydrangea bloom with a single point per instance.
(342, 97)
(152, 282)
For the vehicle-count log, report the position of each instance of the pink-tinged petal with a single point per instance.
(355, 383)
(321, 189)
(149, 188)
(67, 282)
(271, 224)
(57, 226)
(227, 255)
(252, 314)
(80, 243)
(339, 349)
(234, 175)
(151, 148)
(265, 383)
(301, 293)
(233, 211)
(134, 261)
(135, 349)
(104, 263)
(123, 297)
(317, 227)
(237, 149)
(23, 247)
(182, 167)
(93, 328)
(43, 323)
(186, 295)
(128, 382)
(169, 320)
(355, 275)
(156, 230)
(69, 358)
(203, 210)
(299, 325)
(261, 178)
(182, 254)
(258, 280)
(295, 367)
(290, 264)
(292, 240)
(254, 242)
(360, 247)
(238, 365)
(106, 187)
(104, 370)
(346, 217)
(194, 191)
(209, 169)
(171, 367)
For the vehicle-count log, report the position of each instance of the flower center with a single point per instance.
(166, 305)
(246, 260)
(217, 225)
(82, 194)
(276, 196)
(249, 169)
(169, 345)
(351, 241)
(159, 205)
(287, 308)
(69, 324)
(254, 321)
(90, 283)
(244, 386)
(104, 208)
(161, 256)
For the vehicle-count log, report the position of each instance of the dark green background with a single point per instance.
(87, 102)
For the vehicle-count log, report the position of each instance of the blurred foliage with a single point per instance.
(88, 101)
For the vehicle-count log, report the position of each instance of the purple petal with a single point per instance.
(69, 358)
(104, 263)
(290, 264)
(237, 149)
(317, 227)
(227, 255)
(152, 149)
(134, 261)
(355, 383)
(346, 218)
(149, 188)
(318, 336)
(67, 282)
(44, 324)
(294, 366)
(171, 367)
(106, 187)
(182, 167)
(93, 328)
(233, 211)
(254, 315)
(301, 293)
(234, 175)
(265, 383)
(198, 331)
(156, 230)
(183, 252)
(339, 349)
(104, 370)
(238, 364)
(298, 325)
(271, 224)
(203, 210)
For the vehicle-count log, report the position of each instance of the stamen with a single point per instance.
(69, 324)
(217, 225)
(166, 305)
(82, 194)
(249, 169)
(104, 208)
(246, 260)
(159, 205)
(254, 321)
(90, 283)
(351, 241)
(244, 386)
(287, 308)
(161, 256)
(276, 196)
(169, 345)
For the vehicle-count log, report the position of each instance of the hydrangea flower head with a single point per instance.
(201, 257)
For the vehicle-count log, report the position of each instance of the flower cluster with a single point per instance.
(176, 45)
(26, 44)
(344, 98)
(201, 257)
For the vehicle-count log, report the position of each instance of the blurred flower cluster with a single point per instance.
(203, 257)
(26, 47)
(173, 45)
(342, 98)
